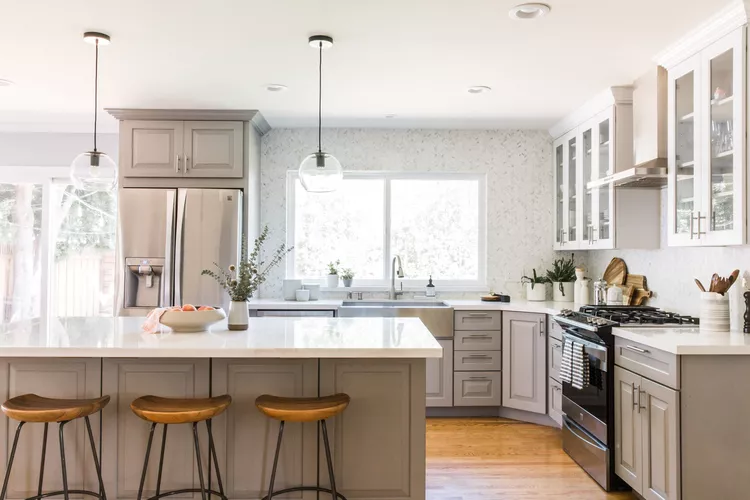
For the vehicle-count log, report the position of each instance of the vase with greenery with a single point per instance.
(563, 276)
(347, 275)
(536, 286)
(243, 280)
(333, 274)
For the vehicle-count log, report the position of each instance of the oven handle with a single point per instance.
(586, 343)
(582, 437)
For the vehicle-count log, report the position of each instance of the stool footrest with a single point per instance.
(70, 492)
(305, 488)
(187, 490)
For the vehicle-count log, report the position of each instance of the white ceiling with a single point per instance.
(414, 58)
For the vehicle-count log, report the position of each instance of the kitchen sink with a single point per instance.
(436, 316)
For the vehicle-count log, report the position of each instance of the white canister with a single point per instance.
(289, 287)
(614, 296)
(302, 295)
(314, 290)
(562, 291)
(333, 280)
(538, 293)
(714, 313)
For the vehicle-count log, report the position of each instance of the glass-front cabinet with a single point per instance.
(707, 146)
(567, 186)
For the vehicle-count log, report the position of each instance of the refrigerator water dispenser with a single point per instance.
(143, 283)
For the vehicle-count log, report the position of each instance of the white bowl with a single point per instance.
(191, 321)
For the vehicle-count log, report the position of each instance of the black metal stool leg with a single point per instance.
(275, 460)
(44, 455)
(198, 460)
(161, 459)
(66, 494)
(328, 459)
(145, 462)
(212, 451)
(10, 460)
(96, 460)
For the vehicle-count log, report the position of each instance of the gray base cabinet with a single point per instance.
(524, 362)
(477, 389)
(439, 373)
(555, 401)
(61, 378)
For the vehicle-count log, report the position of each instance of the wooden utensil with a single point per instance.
(700, 285)
(724, 284)
(637, 281)
(616, 272)
(714, 283)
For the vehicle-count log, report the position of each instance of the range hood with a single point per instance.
(650, 174)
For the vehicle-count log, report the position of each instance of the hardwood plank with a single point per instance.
(499, 459)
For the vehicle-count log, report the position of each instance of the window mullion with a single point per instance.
(47, 244)
(387, 231)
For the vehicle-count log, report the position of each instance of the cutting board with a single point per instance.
(628, 291)
(616, 272)
(636, 280)
(640, 296)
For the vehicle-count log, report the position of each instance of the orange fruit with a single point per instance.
(188, 307)
(205, 308)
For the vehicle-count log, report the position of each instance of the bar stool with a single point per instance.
(167, 411)
(303, 410)
(31, 408)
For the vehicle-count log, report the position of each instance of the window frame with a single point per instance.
(409, 284)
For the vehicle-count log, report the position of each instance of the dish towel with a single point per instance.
(579, 366)
(151, 325)
(566, 373)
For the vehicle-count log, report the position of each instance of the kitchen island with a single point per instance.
(378, 442)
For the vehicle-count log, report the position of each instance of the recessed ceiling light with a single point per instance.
(478, 89)
(527, 11)
(5, 83)
(276, 87)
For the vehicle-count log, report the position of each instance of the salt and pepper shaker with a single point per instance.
(746, 326)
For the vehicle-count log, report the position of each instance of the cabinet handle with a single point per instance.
(187, 160)
(541, 327)
(593, 239)
(177, 163)
(479, 378)
(479, 335)
(639, 400)
(637, 349)
(478, 356)
(699, 233)
(632, 393)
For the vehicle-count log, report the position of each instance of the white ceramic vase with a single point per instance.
(563, 291)
(536, 294)
(714, 313)
(333, 280)
(238, 315)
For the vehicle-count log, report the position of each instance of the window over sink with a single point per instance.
(434, 221)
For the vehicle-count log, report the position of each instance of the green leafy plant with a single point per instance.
(243, 281)
(563, 271)
(333, 267)
(347, 274)
(534, 279)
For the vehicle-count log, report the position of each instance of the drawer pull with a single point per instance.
(637, 349)
(479, 336)
(478, 315)
(555, 388)
(478, 356)
(479, 378)
(556, 346)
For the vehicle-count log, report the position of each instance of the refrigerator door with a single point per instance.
(209, 225)
(145, 250)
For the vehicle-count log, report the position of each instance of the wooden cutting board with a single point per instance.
(628, 291)
(637, 281)
(640, 296)
(616, 272)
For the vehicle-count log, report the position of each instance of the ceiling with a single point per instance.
(412, 58)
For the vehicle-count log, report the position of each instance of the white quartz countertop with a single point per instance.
(688, 341)
(287, 305)
(307, 337)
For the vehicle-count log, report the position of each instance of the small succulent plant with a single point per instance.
(534, 279)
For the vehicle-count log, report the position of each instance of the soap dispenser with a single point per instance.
(430, 292)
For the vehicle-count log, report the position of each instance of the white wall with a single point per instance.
(519, 183)
(38, 149)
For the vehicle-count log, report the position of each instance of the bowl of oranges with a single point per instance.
(191, 319)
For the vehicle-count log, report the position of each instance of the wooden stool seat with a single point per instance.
(33, 408)
(302, 409)
(160, 410)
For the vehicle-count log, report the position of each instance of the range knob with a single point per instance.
(601, 321)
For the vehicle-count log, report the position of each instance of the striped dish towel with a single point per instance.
(579, 366)
(566, 367)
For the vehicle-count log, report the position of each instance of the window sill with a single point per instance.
(385, 289)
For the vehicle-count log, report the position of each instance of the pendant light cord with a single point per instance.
(96, 90)
(320, 95)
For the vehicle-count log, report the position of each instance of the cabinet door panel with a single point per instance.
(439, 373)
(477, 389)
(151, 148)
(558, 158)
(554, 358)
(58, 378)
(661, 445)
(555, 401)
(628, 441)
(213, 149)
(524, 362)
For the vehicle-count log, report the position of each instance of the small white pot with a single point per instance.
(538, 293)
(333, 280)
(303, 295)
(238, 315)
(347, 283)
(563, 291)
(714, 313)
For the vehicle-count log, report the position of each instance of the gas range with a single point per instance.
(639, 316)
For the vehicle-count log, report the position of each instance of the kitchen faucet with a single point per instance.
(393, 294)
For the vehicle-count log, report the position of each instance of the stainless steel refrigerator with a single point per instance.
(166, 237)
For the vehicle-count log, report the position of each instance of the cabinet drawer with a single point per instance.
(555, 330)
(554, 399)
(477, 360)
(554, 358)
(477, 320)
(477, 341)
(659, 366)
(477, 389)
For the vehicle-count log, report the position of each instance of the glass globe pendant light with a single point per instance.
(94, 170)
(320, 172)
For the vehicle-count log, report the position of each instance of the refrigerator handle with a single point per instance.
(166, 279)
(179, 246)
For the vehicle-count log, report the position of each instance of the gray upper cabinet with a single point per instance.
(150, 148)
(524, 362)
(628, 454)
(440, 377)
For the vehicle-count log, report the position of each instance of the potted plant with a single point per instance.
(563, 276)
(243, 280)
(333, 274)
(347, 275)
(536, 286)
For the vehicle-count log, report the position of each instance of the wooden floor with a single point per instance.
(498, 459)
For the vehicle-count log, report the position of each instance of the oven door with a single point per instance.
(587, 407)
(587, 452)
